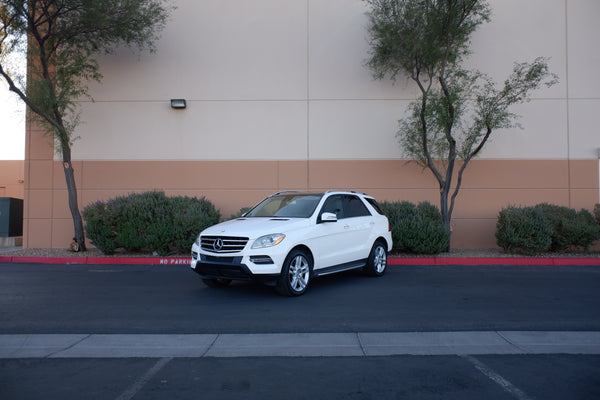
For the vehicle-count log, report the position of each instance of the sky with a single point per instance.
(12, 110)
(12, 125)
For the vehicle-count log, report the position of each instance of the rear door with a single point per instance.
(359, 223)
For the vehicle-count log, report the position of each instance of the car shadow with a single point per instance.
(328, 284)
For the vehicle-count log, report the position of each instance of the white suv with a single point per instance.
(291, 237)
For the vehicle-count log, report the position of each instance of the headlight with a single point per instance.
(268, 241)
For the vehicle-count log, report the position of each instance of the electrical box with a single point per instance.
(11, 217)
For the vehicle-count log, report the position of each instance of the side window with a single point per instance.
(375, 205)
(355, 207)
(334, 204)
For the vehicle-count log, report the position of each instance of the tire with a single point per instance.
(295, 274)
(217, 282)
(377, 261)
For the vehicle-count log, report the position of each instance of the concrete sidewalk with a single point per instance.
(297, 344)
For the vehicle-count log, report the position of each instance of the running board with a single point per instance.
(340, 268)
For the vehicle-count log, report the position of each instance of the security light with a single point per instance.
(178, 103)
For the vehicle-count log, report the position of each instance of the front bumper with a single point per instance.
(213, 267)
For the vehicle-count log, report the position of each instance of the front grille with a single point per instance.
(223, 271)
(223, 244)
(220, 260)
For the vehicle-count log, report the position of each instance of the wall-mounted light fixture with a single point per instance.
(178, 103)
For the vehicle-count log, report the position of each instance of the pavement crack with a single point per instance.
(210, 346)
(362, 348)
(70, 346)
(507, 340)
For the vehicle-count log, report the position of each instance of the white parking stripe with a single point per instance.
(494, 376)
(141, 382)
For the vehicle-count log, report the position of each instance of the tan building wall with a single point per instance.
(12, 178)
(489, 185)
(279, 98)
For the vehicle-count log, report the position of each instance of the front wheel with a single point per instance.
(377, 262)
(295, 274)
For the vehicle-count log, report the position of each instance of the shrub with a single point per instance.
(98, 228)
(570, 228)
(190, 216)
(149, 221)
(545, 227)
(558, 217)
(523, 230)
(416, 229)
(597, 213)
(590, 231)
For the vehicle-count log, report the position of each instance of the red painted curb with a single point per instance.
(549, 261)
(98, 260)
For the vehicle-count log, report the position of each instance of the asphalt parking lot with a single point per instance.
(445, 332)
(394, 377)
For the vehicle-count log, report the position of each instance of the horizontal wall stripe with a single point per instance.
(489, 185)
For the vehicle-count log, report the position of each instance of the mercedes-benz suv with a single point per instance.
(291, 237)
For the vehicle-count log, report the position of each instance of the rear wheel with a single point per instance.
(377, 262)
(295, 274)
(217, 282)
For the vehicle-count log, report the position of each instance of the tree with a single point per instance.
(457, 109)
(63, 39)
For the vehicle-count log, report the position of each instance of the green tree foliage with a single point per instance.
(63, 39)
(457, 109)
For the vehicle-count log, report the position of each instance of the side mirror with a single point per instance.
(328, 217)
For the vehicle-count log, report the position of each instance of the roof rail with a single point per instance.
(285, 191)
(346, 190)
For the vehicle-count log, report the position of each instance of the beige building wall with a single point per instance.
(279, 98)
(12, 173)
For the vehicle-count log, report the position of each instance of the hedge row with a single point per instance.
(417, 229)
(152, 221)
(148, 221)
(546, 227)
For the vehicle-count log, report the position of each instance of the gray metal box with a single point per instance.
(11, 217)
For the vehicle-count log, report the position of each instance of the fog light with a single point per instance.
(261, 260)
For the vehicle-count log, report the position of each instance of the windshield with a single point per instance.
(288, 205)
